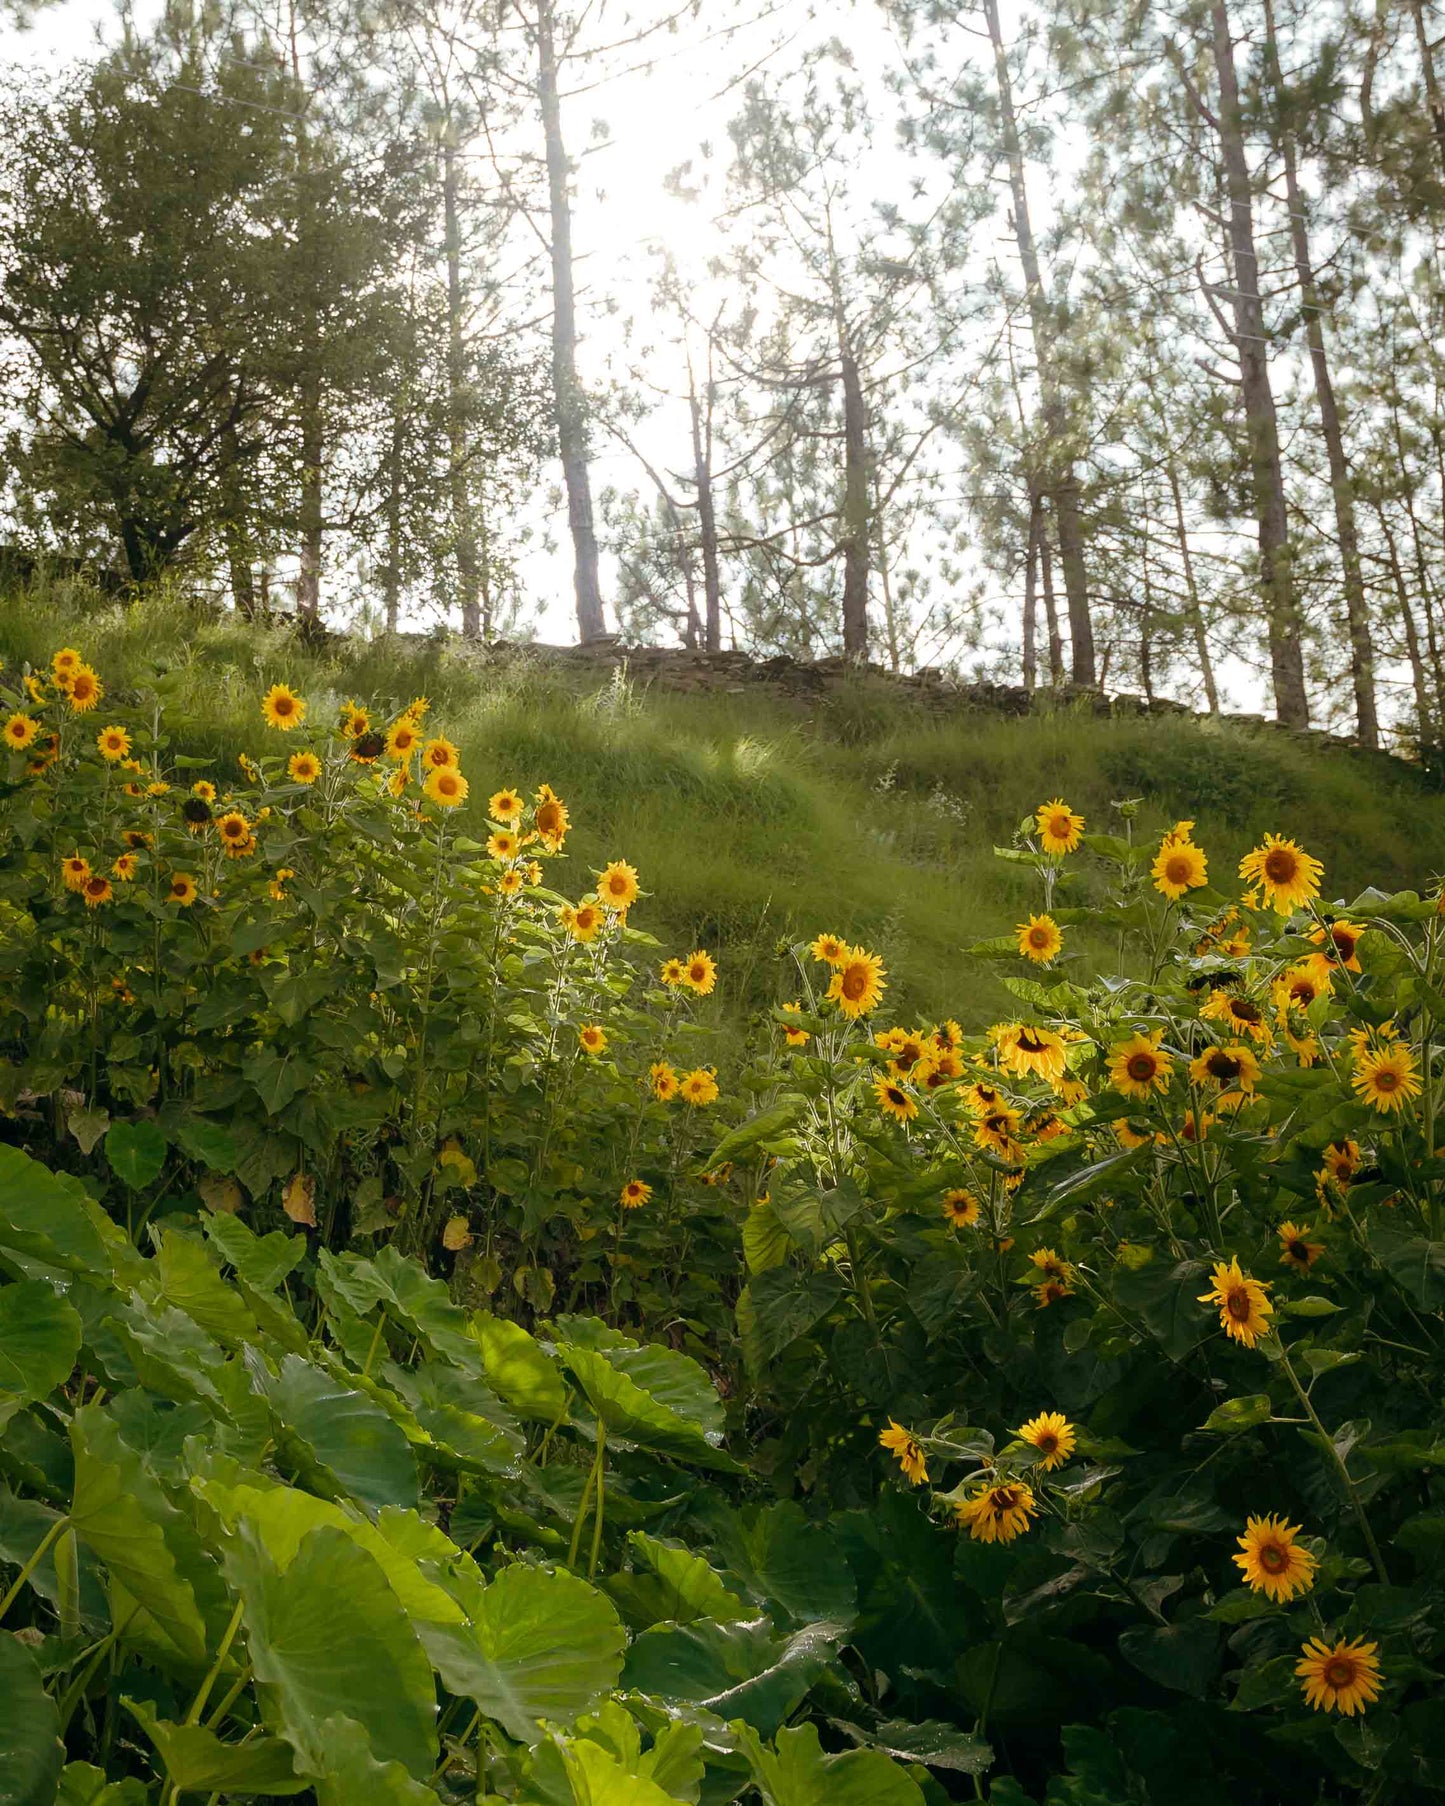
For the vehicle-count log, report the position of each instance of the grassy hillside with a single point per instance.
(753, 817)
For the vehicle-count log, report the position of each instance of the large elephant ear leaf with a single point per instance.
(43, 1215)
(797, 1773)
(31, 1753)
(354, 1777)
(540, 1645)
(655, 1398)
(39, 1342)
(346, 1442)
(599, 1779)
(197, 1761)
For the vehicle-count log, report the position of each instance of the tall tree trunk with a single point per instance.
(1433, 97)
(235, 527)
(885, 583)
(1051, 607)
(1284, 624)
(312, 520)
(1146, 621)
(1342, 488)
(567, 392)
(1424, 711)
(391, 570)
(1196, 611)
(855, 508)
(463, 529)
(1031, 599)
(1060, 481)
(706, 513)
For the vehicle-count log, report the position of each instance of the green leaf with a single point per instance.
(31, 1753)
(327, 1637)
(262, 1261)
(791, 1564)
(44, 1215)
(799, 1774)
(930, 1741)
(758, 1129)
(1415, 1264)
(87, 1123)
(738, 1670)
(82, 1785)
(192, 1282)
(765, 1241)
(654, 1397)
(1237, 1414)
(353, 1777)
(539, 1645)
(136, 1152)
(777, 1307)
(599, 1779)
(1184, 1656)
(198, 1762)
(39, 1343)
(348, 1444)
(671, 1582)
(519, 1369)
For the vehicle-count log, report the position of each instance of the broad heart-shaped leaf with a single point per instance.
(24, 1525)
(518, 1368)
(328, 1637)
(347, 1443)
(462, 1416)
(737, 1670)
(540, 1645)
(353, 1776)
(39, 1342)
(136, 1152)
(263, 1261)
(192, 1282)
(654, 1397)
(1182, 1656)
(930, 1741)
(778, 1306)
(799, 1774)
(670, 1582)
(788, 1561)
(44, 1215)
(198, 1762)
(82, 1785)
(31, 1753)
(599, 1779)
(424, 1306)
(1416, 1265)
(108, 1516)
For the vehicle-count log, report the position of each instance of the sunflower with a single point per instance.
(511, 883)
(1244, 1311)
(182, 890)
(352, 720)
(504, 843)
(1342, 1678)
(249, 769)
(1387, 1077)
(635, 1194)
(997, 1130)
(998, 1513)
(402, 738)
(1051, 1292)
(1179, 866)
(1049, 1265)
(1286, 874)
(593, 1039)
(283, 708)
(303, 768)
(981, 1097)
(858, 983)
(446, 787)
(367, 748)
(1040, 939)
(550, 819)
(1300, 988)
(196, 813)
(699, 973)
(1129, 1135)
(1273, 1562)
(35, 689)
(583, 923)
(663, 1080)
(672, 972)
(894, 1101)
(1058, 827)
(904, 1445)
(277, 886)
(1340, 939)
(44, 753)
(137, 839)
(440, 754)
(940, 1068)
(112, 743)
(1234, 1065)
(75, 871)
(65, 664)
(698, 1087)
(96, 890)
(84, 690)
(795, 1037)
(1296, 1249)
(1024, 1048)
(829, 949)
(1052, 1435)
(19, 731)
(233, 828)
(124, 867)
(1240, 1014)
(505, 806)
(1342, 1160)
(1138, 1067)
(204, 789)
(961, 1208)
(948, 1036)
(618, 887)
(1195, 1128)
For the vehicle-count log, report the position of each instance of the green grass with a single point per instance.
(754, 818)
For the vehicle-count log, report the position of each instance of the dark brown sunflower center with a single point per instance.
(1340, 1673)
(1030, 1041)
(1002, 1500)
(1244, 1011)
(1237, 1304)
(1046, 1443)
(547, 819)
(1223, 1066)
(1271, 1556)
(1142, 1067)
(1178, 869)
(1386, 1079)
(855, 982)
(1280, 866)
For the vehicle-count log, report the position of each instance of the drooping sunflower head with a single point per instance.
(1287, 875)
(635, 1194)
(1025, 1047)
(1273, 1562)
(1233, 1066)
(1296, 1249)
(1052, 1435)
(74, 870)
(196, 812)
(1059, 829)
(998, 1513)
(550, 819)
(592, 1039)
(505, 806)
(1040, 939)
(961, 1208)
(858, 983)
(795, 1037)
(1240, 1014)
(1340, 941)
(663, 1080)
(905, 1448)
(1244, 1308)
(997, 1130)
(281, 707)
(303, 768)
(446, 787)
(367, 747)
(1342, 1677)
(617, 887)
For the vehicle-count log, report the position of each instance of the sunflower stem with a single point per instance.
(1351, 1491)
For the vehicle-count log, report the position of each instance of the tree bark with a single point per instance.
(1051, 607)
(855, 506)
(1060, 481)
(391, 570)
(311, 520)
(1031, 601)
(1196, 611)
(235, 528)
(1433, 97)
(1283, 620)
(1342, 488)
(706, 513)
(1424, 713)
(567, 394)
(464, 541)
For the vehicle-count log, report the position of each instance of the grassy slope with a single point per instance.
(753, 818)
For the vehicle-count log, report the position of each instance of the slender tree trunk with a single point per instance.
(1146, 622)
(1031, 600)
(1196, 611)
(1342, 488)
(391, 570)
(1060, 483)
(570, 413)
(312, 520)
(1433, 97)
(235, 527)
(1284, 623)
(890, 614)
(1428, 601)
(1424, 712)
(856, 533)
(706, 513)
(464, 541)
(1051, 607)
